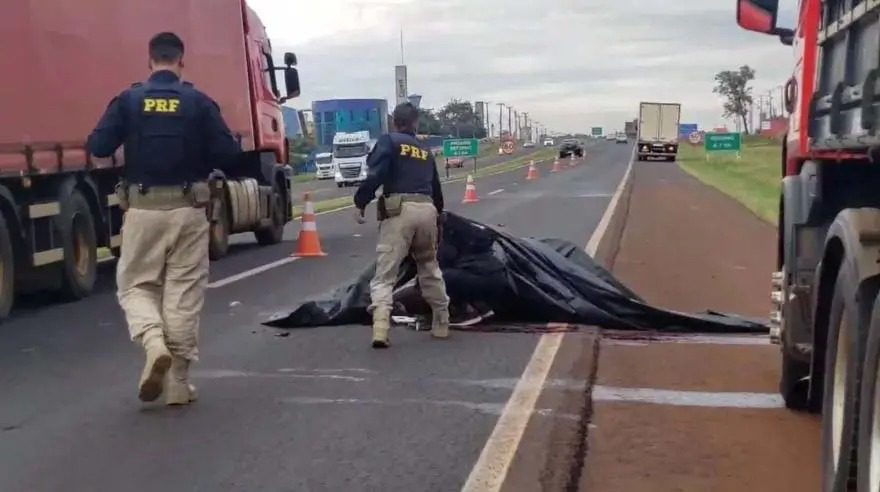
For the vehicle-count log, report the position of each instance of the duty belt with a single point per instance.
(413, 197)
(164, 197)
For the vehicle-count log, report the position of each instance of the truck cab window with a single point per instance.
(269, 74)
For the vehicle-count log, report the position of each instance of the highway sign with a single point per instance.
(696, 138)
(686, 129)
(597, 131)
(723, 142)
(508, 147)
(461, 147)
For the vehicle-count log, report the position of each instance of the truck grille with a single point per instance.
(350, 172)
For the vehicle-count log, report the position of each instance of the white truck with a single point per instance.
(324, 165)
(658, 130)
(350, 152)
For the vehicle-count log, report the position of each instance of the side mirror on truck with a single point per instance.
(291, 77)
(761, 16)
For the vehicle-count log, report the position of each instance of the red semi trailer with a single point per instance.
(62, 62)
(827, 315)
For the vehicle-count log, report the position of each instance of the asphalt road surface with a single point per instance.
(315, 410)
(327, 189)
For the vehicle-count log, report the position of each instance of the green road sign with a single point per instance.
(461, 147)
(723, 142)
(597, 131)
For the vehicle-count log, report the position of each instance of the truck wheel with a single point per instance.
(7, 270)
(275, 233)
(842, 384)
(869, 413)
(218, 245)
(77, 231)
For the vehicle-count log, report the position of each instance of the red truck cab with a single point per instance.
(826, 292)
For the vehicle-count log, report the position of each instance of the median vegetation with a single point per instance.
(754, 179)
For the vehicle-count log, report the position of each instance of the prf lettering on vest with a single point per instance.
(161, 105)
(413, 152)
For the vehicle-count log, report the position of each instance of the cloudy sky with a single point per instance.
(571, 64)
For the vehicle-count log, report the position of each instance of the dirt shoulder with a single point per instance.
(700, 413)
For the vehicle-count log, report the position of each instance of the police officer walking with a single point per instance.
(409, 207)
(174, 137)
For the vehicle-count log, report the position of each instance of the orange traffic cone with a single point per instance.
(533, 171)
(571, 162)
(556, 166)
(309, 244)
(470, 191)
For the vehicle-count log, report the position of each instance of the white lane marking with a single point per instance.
(500, 190)
(250, 273)
(235, 374)
(595, 195)
(687, 398)
(691, 340)
(490, 471)
(593, 245)
(487, 408)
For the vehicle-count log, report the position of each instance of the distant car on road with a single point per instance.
(528, 145)
(621, 138)
(549, 142)
(569, 147)
(610, 137)
(455, 162)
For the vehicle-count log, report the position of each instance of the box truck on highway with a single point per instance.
(658, 130)
(350, 151)
(826, 314)
(324, 165)
(630, 128)
(63, 62)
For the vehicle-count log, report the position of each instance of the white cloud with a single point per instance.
(571, 63)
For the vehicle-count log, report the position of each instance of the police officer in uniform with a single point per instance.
(174, 136)
(409, 207)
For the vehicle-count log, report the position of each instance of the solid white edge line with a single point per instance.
(680, 398)
(500, 190)
(250, 273)
(490, 470)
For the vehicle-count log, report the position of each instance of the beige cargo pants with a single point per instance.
(162, 274)
(414, 232)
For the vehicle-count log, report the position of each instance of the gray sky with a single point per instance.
(571, 64)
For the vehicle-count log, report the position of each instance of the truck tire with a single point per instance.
(7, 270)
(275, 233)
(842, 383)
(79, 240)
(218, 244)
(869, 412)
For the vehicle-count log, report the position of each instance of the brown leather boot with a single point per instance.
(157, 364)
(178, 390)
(381, 327)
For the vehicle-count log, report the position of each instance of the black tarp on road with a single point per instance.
(523, 280)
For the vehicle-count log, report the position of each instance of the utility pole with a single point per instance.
(485, 118)
(500, 119)
(527, 127)
(510, 121)
(517, 133)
